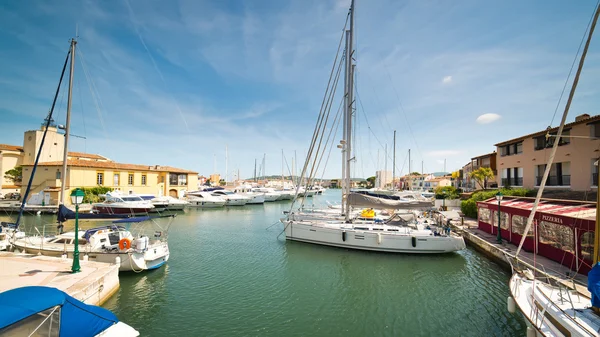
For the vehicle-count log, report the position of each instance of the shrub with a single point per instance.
(469, 208)
(92, 194)
(446, 192)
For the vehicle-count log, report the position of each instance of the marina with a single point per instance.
(341, 236)
(231, 275)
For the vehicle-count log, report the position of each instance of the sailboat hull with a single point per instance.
(372, 240)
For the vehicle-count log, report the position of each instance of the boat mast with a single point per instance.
(555, 146)
(348, 113)
(282, 181)
(394, 164)
(409, 173)
(63, 176)
(226, 166)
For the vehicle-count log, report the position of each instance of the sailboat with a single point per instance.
(554, 306)
(350, 229)
(144, 250)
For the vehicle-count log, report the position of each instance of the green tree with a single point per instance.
(371, 181)
(415, 174)
(446, 192)
(15, 175)
(482, 175)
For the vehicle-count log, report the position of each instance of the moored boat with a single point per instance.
(126, 204)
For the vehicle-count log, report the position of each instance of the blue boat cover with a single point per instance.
(594, 285)
(76, 317)
(65, 214)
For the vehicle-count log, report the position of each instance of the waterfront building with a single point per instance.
(382, 178)
(10, 157)
(87, 170)
(521, 161)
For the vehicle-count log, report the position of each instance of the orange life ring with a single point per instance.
(124, 244)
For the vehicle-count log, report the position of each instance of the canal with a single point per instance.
(231, 275)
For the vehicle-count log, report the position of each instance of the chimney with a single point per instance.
(582, 117)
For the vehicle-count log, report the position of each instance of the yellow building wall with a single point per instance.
(8, 161)
(53, 146)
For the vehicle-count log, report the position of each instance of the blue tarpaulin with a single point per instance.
(594, 285)
(65, 214)
(76, 317)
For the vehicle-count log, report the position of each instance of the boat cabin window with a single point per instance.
(62, 240)
(132, 198)
(557, 236)
(114, 238)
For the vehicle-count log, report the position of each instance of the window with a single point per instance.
(484, 215)
(518, 225)
(172, 179)
(130, 179)
(144, 180)
(116, 179)
(557, 236)
(587, 246)
(100, 178)
(595, 130)
(57, 174)
(541, 142)
(560, 174)
(511, 149)
(182, 179)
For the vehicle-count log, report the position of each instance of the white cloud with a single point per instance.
(447, 79)
(488, 118)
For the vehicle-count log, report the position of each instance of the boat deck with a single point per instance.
(94, 284)
(486, 243)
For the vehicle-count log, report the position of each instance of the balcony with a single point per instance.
(512, 181)
(564, 180)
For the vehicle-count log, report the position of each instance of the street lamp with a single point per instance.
(76, 198)
(499, 198)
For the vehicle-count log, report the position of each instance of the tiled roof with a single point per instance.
(10, 186)
(485, 155)
(86, 155)
(7, 147)
(540, 133)
(113, 165)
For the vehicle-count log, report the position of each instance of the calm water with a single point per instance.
(230, 276)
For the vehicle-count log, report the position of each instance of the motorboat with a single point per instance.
(169, 203)
(248, 192)
(48, 311)
(125, 204)
(143, 251)
(204, 200)
(269, 193)
(231, 198)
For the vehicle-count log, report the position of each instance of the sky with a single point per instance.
(176, 82)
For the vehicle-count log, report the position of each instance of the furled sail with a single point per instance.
(362, 200)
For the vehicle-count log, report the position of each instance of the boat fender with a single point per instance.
(510, 302)
(531, 332)
(344, 236)
(378, 238)
(118, 260)
(124, 243)
(414, 241)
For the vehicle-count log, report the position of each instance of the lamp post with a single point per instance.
(499, 198)
(76, 198)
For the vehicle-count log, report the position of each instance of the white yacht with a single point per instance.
(231, 198)
(123, 204)
(204, 200)
(269, 193)
(253, 197)
(104, 244)
(170, 203)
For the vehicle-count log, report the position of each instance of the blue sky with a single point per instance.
(178, 80)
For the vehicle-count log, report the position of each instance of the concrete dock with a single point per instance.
(93, 285)
(12, 207)
(486, 244)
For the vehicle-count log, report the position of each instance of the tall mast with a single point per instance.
(282, 184)
(349, 91)
(410, 177)
(394, 164)
(226, 166)
(254, 169)
(63, 176)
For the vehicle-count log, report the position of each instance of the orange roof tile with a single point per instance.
(86, 155)
(114, 165)
(8, 147)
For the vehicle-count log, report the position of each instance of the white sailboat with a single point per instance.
(345, 230)
(554, 306)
